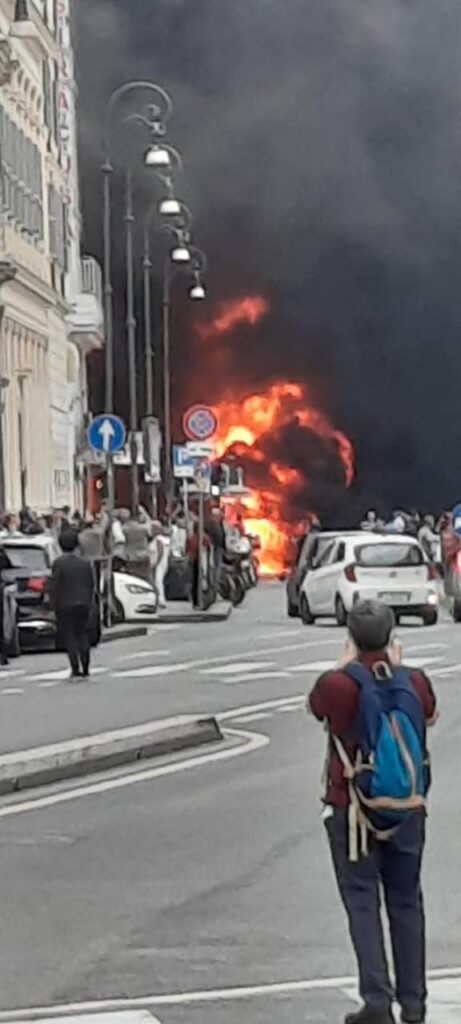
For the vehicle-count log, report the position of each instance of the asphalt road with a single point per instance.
(208, 873)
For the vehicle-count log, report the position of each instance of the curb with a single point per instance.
(124, 633)
(176, 618)
(41, 766)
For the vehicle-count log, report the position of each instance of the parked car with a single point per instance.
(10, 608)
(393, 569)
(135, 600)
(310, 550)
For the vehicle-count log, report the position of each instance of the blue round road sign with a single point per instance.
(107, 434)
(457, 520)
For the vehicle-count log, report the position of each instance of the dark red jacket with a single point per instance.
(335, 700)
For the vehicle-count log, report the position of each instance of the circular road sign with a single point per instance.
(199, 423)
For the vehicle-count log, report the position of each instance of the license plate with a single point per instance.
(390, 598)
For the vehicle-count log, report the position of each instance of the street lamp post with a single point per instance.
(197, 266)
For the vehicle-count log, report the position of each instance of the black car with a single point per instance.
(31, 560)
(310, 549)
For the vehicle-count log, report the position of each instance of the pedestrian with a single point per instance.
(72, 598)
(159, 548)
(370, 523)
(428, 538)
(136, 535)
(376, 713)
(217, 534)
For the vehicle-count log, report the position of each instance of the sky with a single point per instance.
(322, 144)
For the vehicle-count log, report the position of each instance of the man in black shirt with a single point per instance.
(73, 595)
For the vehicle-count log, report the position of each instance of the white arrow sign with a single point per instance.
(107, 432)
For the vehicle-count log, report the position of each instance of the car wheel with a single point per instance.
(305, 611)
(457, 611)
(118, 612)
(340, 611)
(430, 618)
(292, 611)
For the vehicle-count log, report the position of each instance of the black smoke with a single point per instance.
(322, 146)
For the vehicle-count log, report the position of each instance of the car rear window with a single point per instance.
(375, 556)
(33, 559)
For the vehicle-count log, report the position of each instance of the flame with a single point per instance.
(249, 428)
(249, 310)
(244, 427)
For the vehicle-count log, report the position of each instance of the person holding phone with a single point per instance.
(372, 847)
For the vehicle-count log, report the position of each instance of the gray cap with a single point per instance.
(370, 625)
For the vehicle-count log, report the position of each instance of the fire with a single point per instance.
(253, 430)
(246, 429)
(249, 310)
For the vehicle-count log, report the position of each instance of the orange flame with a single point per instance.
(249, 310)
(248, 427)
(243, 425)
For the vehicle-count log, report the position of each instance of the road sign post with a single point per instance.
(107, 434)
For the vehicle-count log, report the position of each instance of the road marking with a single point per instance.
(254, 677)
(49, 686)
(236, 667)
(225, 716)
(11, 691)
(62, 674)
(145, 654)
(256, 717)
(344, 984)
(186, 666)
(123, 1017)
(8, 673)
(426, 647)
(253, 742)
(447, 671)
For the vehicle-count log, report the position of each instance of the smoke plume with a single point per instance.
(322, 150)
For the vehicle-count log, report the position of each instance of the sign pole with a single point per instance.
(110, 539)
(186, 504)
(201, 530)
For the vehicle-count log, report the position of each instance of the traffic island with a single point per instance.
(124, 632)
(41, 766)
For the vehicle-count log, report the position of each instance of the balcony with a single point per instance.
(86, 319)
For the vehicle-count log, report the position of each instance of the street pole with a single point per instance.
(149, 354)
(167, 384)
(131, 335)
(108, 289)
(201, 532)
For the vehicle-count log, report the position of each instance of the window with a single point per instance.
(326, 557)
(388, 556)
(27, 557)
(57, 226)
(22, 178)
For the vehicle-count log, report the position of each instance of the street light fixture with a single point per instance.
(169, 207)
(154, 118)
(157, 157)
(197, 293)
(180, 254)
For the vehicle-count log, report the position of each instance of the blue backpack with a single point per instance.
(390, 777)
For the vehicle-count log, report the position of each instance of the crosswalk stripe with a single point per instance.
(123, 1017)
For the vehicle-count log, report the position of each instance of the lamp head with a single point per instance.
(180, 254)
(157, 157)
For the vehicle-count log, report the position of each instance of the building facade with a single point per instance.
(48, 321)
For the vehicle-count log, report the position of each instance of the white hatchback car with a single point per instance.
(382, 567)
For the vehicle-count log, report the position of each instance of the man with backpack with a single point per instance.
(376, 712)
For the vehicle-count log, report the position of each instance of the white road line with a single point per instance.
(11, 691)
(221, 995)
(425, 647)
(63, 673)
(236, 667)
(226, 716)
(8, 673)
(254, 677)
(256, 717)
(186, 666)
(122, 1017)
(447, 670)
(145, 654)
(254, 741)
(49, 686)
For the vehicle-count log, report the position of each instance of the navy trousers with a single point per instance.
(394, 868)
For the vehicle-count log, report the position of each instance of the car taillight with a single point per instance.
(349, 573)
(432, 573)
(38, 584)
